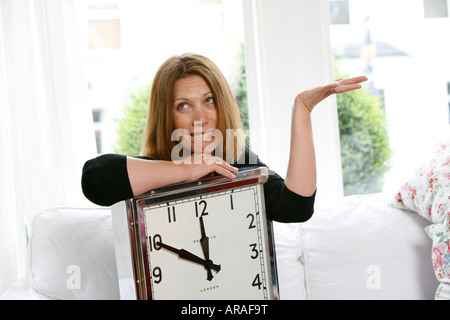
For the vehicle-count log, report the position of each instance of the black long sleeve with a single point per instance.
(105, 181)
(282, 204)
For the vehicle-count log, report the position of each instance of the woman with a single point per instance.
(191, 103)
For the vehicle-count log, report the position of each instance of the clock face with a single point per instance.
(213, 246)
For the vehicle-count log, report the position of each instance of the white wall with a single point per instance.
(287, 51)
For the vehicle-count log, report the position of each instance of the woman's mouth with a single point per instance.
(206, 135)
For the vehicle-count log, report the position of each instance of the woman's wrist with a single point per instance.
(301, 112)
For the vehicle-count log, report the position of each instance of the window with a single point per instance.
(96, 115)
(104, 29)
(448, 92)
(98, 141)
(449, 112)
(435, 8)
(381, 160)
(104, 34)
(102, 4)
(210, 1)
(128, 41)
(339, 12)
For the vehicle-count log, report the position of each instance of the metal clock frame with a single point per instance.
(130, 232)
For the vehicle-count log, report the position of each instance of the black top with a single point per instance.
(105, 181)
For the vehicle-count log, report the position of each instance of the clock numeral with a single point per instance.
(153, 242)
(157, 273)
(252, 221)
(257, 282)
(171, 216)
(254, 251)
(204, 212)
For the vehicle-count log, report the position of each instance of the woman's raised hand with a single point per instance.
(310, 98)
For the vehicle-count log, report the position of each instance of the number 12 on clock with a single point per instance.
(215, 244)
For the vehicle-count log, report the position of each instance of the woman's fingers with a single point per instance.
(224, 168)
(225, 172)
(212, 163)
(341, 89)
(200, 165)
(353, 80)
(310, 98)
(344, 85)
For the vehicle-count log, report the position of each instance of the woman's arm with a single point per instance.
(282, 204)
(301, 173)
(145, 175)
(110, 178)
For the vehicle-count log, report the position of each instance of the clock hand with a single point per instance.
(204, 241)
(186, 255)
(183, 254)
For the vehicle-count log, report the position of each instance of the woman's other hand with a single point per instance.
(200, 164)
(308, 99)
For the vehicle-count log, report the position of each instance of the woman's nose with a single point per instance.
(200, 117)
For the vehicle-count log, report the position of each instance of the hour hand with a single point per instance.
(186, 255)
(183, 254)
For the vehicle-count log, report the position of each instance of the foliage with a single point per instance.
(365, 149)
(131, 126)
(241, 94)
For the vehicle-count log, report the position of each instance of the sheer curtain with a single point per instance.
(46, 129)
(288, 50)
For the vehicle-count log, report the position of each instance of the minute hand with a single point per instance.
(204, 241)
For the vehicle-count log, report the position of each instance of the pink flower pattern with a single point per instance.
(440, 253)
(428, 194)
(428, 191)
(436, 256)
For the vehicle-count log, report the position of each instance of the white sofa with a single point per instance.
(357, 248)
(360, 247)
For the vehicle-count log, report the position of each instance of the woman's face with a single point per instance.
(195, 111)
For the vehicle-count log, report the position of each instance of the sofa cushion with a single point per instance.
(71, 254)
(440, 256)
(427, 191)
(361, 248)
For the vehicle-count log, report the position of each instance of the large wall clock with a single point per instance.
(207, 239)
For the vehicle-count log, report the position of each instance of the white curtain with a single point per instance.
(46, 129)
(282, 64)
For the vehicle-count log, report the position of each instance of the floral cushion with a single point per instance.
(428, 191)
(428, 194)
(440, 255)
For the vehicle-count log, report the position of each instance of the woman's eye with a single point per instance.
(182, 106)
(210, 100)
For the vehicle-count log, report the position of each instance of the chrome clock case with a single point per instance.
(133, 246)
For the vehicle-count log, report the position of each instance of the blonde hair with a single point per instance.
(156, 141)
